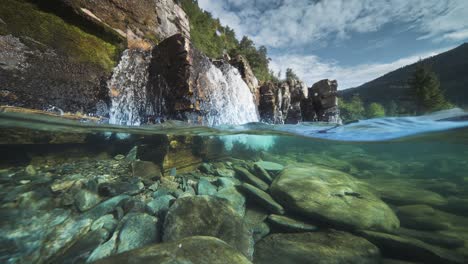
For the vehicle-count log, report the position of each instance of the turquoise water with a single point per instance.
(399, 183)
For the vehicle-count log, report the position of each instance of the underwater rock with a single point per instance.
(207, 216)
(262, 174)
(105, 207)
(271, 167)
(252, 179)
(260, 231)
(86, 200)
(227, 173)
(337, 198)
(410, 249)
(107, 222)
(456, 205)
(289, 224)
(226, 182)
(423, 217)
(205, 187)
(433, 238)
(206, 168)
(194, 250)
(146, 170)
(118, 188)
(403, 192)
(104, 250)
(30, 170)
(317, 247)
(82, 248)
(262, 198)
(138, 230)
(63, 237)
(234, 198)
(160, 205)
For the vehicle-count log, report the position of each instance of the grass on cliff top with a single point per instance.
(25, 20)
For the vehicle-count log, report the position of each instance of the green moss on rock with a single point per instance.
(25, 20)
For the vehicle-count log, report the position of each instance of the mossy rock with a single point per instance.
(191, 250)
(27, 21)
(332, 197)
(317, 247)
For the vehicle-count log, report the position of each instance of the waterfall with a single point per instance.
(127, 88)
(228, 99)
(218, 93)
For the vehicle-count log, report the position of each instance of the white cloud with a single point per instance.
(312, 69)
(304, 24)
(289, 23)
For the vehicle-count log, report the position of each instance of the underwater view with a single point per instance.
(389, 190)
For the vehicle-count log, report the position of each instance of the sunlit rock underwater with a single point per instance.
(148, 132)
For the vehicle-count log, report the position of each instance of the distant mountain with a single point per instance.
(451, 67)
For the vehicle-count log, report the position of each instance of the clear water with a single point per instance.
(45, 161)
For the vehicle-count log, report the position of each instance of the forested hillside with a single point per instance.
(451, 68)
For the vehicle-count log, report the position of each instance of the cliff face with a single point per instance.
(62, 52)
(280, 103)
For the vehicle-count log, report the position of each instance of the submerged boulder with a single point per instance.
(207, 216)
(318, 247)
(290, 224)
(404, 192)
(332, 196)
(411, 249)
(262, 198)
(191, 250)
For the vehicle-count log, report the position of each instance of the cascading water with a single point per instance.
(127, 88)
(219, 94)
(228, 99)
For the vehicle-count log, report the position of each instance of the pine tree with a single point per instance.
(425, 87)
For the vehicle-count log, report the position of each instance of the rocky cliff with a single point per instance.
(291, 102)
(61, 53)
(133, 61)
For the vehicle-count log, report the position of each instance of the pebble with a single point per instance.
(30, 170)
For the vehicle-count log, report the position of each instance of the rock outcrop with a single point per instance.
(147, 20)
(322, 102)
(280, 103)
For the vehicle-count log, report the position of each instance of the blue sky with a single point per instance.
(352, 41)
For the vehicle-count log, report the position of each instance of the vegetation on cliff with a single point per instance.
(214, 39)
(41, 29)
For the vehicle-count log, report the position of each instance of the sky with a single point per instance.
(352, 41)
